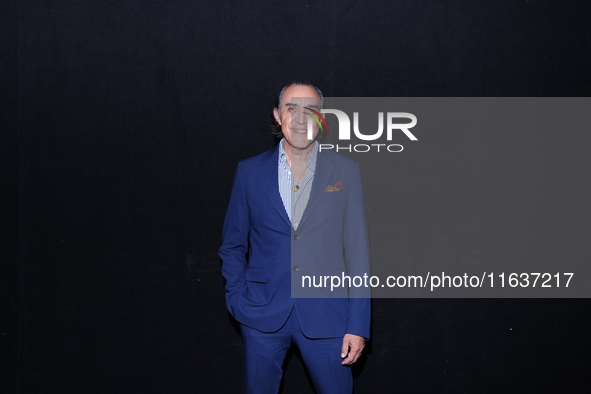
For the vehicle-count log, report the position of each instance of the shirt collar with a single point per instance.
(310, 161)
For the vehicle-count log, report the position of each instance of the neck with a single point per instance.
(297, 155)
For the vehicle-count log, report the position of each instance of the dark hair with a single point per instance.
(275, 127)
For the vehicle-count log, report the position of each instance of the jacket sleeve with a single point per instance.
(356, 247)
(234, 249)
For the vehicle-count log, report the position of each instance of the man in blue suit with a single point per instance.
(297, 211)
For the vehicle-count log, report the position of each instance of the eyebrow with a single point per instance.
(317, 108)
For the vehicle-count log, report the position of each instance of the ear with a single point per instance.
(276, 115)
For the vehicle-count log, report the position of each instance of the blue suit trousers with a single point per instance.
(264, 354)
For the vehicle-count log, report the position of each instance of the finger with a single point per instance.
(351, 358)
(354, 353)
(345, 348)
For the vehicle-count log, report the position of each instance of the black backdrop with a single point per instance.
(132, 116)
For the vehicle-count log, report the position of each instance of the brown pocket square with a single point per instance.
(337, 187)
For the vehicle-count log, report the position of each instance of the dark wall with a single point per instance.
(132, 118)
(9, 210)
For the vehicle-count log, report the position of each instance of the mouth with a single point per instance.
(300, 131)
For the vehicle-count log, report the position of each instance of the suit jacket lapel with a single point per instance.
(324, 169)
(272, 184)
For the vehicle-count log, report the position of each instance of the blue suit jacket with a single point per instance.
(261, 249)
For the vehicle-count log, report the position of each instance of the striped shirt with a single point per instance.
(295, 196)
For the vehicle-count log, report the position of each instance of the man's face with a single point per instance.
(292, 118)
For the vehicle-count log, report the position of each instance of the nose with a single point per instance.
(300, 117)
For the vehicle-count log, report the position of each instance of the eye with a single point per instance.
(291, 109)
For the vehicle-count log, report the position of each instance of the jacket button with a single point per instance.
(296, 237)
(295, 268)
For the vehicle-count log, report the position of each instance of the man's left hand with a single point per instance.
(351, 349)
